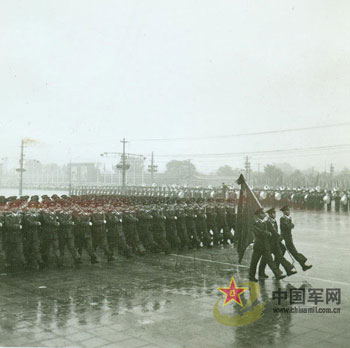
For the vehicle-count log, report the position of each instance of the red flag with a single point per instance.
(248, 204)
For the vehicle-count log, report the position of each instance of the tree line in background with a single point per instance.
(273, 175)
(176, 172)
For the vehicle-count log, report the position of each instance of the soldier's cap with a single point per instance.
(11, 198)
(284, 208)
(271, 210)
(34, 198)
(259, 211)
(2, 199)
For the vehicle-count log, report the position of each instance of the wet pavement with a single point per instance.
(168, 301)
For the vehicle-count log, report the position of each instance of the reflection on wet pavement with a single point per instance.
(168, 301)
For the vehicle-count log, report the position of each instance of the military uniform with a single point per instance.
(286, 226)
(82, 234)
(222, 224)
(262, 249)
(171, 229)
(212, 225)
(231, 219)
(13, 239)
(66, 236)
(131, 234)
(191, 227)
(159, 229)
(144, 228)
(181, 227)
(49, 236)
(99, 236)
(276, 249)
(31, 241)
(201, 226)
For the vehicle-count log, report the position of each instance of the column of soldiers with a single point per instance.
(306, 199)
(299, 198)
(36, 232)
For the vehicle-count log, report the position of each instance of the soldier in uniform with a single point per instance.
(13, 237)
(31, 228)
(231, 218)
(171, 230)
(212, 225)
(66, 235)
(112, 232)
(262, 248)
(275, 245)
(131, 234)
(99, 236)
(181, 227)
(201, 226)
(191, 227)
(49, 236)
(82, 234)
(222, 225)
(286, 226)
(123, 246)
(159, 229)
(144, 230)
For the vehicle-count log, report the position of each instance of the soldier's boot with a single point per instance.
(305, 267)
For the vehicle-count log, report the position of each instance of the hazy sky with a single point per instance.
(80, 75)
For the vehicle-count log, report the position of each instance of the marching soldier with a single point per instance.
(211, 224)
(275, 245)
(13, 239)
(112, 232)
(99, 236)
(123, 246)
(31, 227)
(201, 226)
(171, 230)
(262, 248)
(231, 218)
(66, 235)
(181, 227)
(191, 227)
(131, 234)
(145, 232)
(82, 234)
(49, 236)
(159, 229)
(286, 226)
(222, 225)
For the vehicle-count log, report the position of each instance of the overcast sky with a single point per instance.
(80, 75)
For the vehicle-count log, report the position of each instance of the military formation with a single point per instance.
(316, 198)
(38, 231)
(268, 247)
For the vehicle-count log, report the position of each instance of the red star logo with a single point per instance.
(233, 293)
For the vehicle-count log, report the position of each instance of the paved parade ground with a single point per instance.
(171, 300)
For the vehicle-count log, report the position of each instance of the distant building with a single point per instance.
(84, 173)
